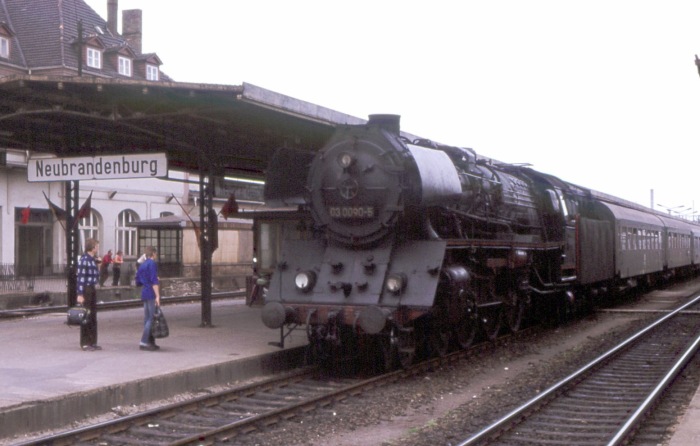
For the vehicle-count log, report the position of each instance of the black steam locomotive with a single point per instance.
(408, 247)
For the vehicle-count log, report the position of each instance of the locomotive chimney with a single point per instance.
(390, 123)
(112, 8)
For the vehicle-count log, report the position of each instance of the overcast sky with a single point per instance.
(601, 93)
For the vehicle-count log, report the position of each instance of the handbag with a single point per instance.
(159, 326)
(77, 316)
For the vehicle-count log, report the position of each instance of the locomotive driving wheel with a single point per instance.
(491, 321)
(513, 310)
(389, 348)
(491, 314)
(439, 339)
(406, 346)
(466, 329)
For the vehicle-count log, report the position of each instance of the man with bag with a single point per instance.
(147, 278)
(87, 277)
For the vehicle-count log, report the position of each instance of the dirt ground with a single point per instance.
(442, 407)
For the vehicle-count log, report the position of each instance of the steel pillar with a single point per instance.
(72, 194)
(207, 237)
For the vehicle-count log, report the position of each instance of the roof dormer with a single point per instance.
(92, 49)
(6, 36)
(147, 66)
(121, 58)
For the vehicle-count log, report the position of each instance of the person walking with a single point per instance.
(104, 267)
(87, 278)
(147, 278)
(117, 267)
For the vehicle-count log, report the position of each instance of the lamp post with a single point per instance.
(676, 209)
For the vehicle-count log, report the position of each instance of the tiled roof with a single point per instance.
(46, 35)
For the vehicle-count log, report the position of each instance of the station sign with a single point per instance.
(110, 167)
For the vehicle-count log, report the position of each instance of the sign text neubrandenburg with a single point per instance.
(150, 165)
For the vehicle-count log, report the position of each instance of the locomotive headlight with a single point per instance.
(305, 280)
(345, 160)
(396, 283)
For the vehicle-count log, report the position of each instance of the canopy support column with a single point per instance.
(72, 193)
(207, 240)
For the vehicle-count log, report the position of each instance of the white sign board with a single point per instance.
(152, 165)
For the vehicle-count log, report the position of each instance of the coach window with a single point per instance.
(623, 239)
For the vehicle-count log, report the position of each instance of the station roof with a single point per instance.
(231, 129)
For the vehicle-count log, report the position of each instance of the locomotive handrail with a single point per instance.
(503, 244)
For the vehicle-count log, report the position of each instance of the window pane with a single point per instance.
(4, 47)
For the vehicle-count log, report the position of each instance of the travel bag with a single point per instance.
(77, 316)
(159, 326)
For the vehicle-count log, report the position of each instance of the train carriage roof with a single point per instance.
(679, 225)
(628, 215)
(634, 215)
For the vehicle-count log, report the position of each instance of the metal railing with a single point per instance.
(52, 278)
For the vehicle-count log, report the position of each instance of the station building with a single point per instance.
(70, 39)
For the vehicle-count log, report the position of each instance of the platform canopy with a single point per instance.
(225, 129)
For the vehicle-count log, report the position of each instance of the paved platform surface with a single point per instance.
(688, 431)
(45, 377)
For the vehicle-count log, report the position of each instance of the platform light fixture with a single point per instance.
(244, 180)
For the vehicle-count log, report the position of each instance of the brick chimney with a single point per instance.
(112, 9)
(131, 28)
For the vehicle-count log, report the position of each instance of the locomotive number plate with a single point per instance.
(351, 211)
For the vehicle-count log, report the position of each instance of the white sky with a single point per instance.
(601, 93)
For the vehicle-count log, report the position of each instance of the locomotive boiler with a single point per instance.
(413, 247)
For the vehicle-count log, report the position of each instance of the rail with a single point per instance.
(225, 416)
(521, 413)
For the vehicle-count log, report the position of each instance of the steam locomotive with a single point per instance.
(408, 248)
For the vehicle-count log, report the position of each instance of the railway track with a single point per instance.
(225, 415)
(606, 401)
(213, 417)
(222, 416)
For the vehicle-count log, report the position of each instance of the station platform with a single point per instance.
(687, 433)
(48, 382)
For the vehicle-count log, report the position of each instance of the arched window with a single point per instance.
(89, 227)
(126, 235)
